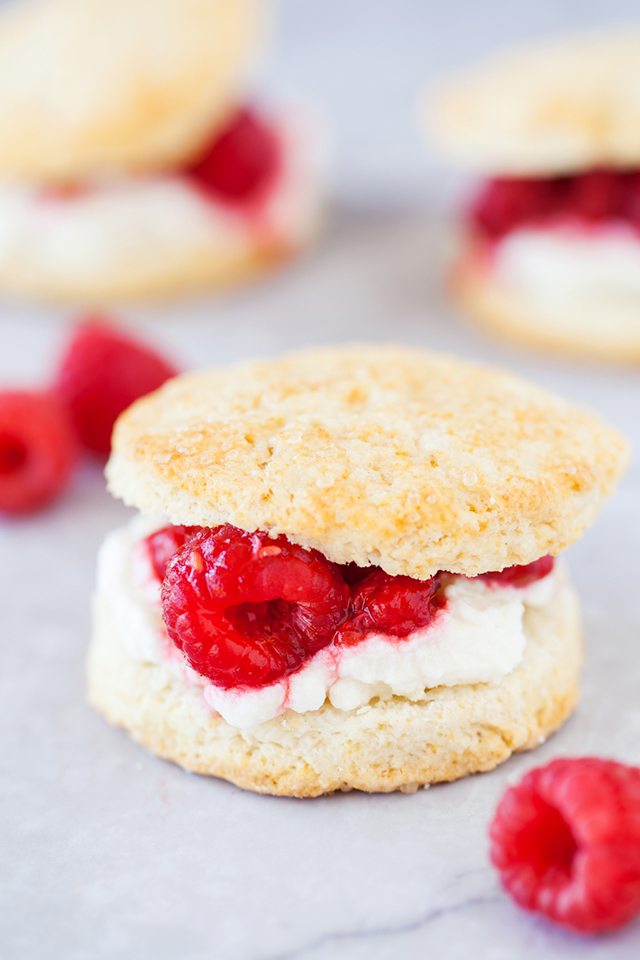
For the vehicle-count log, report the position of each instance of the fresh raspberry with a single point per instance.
(393, 606)
(37, 450)
(161, 545)
(102, 372)
(521, 576)
(246, 609)
(505, 203)
(631, 199)
(354, 574)
(241, 162)
(596, 195)
(566, 841)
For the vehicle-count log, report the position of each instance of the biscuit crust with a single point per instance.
(562, 328)
(377, 454)
(388, 745)
(558, 106)
(117, 85)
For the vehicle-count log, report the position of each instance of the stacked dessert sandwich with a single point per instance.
(551, 246)
(344, 572)
(130, 163)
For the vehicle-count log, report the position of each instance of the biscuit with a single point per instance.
(571, 326)
(377, 454)
(387, 745)
(113, 86)
(546, 109)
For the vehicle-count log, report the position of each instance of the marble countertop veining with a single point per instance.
(108, 853)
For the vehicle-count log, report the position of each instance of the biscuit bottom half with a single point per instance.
(604, 326)
(394, 744)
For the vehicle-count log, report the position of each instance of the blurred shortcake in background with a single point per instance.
(550, 252)
(130, 164)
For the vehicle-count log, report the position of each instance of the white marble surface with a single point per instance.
(108, 853)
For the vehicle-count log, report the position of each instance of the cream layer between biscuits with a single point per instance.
(478, 637)
(587, 276)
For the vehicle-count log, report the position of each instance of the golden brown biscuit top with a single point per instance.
(95, 87)
(378, 454)
(551, 108)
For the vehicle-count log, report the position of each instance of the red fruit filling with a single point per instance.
(594, 197)
(101, 373)
(566, 841)
(241, 162)
(163, 544)
(521, 576)
(246, 609)
(37, 450)
(392, 606)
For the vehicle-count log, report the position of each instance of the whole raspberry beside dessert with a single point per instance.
(566, 841)
(101, 373)
(339, 601)
(37, 450)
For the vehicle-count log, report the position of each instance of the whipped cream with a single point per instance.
(594, 271)
(477, 637)
(154, 219)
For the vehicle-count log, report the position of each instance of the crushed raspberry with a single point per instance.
(246, 609)
(162, 544)
(240, 164)
(566, 841)
(37, 450)
(101, 373)
(392, 606)
(521, 576)
(592, 197)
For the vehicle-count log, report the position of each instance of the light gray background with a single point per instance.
(108, 853)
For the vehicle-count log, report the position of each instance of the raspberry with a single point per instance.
(521, 576)
(631, 199)
(595, 196)
(353, 574)
(246, 609)
(241, 162)
(505, 203)
(37, 450)
(394, 606)
(162, 544)
(566, 841)
(101, 373)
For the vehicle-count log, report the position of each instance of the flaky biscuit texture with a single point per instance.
(377, 454)
(98, 87)
(545, 109)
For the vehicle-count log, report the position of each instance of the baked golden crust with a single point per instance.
(553, 107)
(389, 745)
(116, 86)
(562, 327)
(377, 454)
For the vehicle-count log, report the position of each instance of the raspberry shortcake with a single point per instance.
(130, 164)
(343, 571)
(551, 241)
